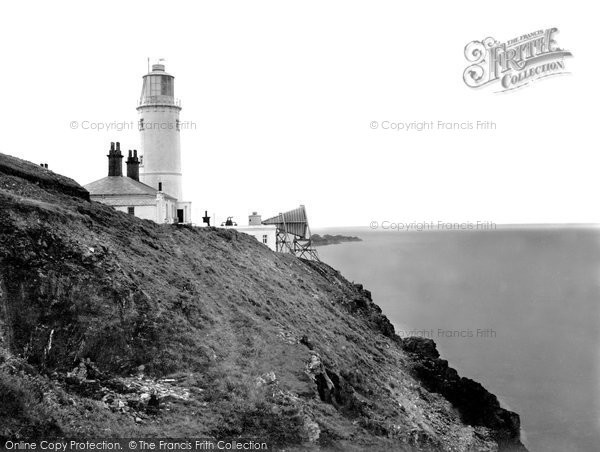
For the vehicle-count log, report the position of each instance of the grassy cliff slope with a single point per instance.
(114, 326)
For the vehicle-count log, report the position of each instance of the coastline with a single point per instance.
(514, 281)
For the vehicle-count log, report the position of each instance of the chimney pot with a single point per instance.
(115, 165)
(133, 166)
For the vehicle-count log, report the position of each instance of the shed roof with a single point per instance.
(293, 222)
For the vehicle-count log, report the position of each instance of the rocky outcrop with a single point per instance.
(476, 405)
(138, 396)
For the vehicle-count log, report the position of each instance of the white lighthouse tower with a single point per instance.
(159, 127)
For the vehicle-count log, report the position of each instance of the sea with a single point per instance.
(516, 308)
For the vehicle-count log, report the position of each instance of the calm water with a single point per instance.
(534, 296)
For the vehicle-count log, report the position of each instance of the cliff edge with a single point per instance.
(114, 326)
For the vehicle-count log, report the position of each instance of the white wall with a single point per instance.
(160, 209)
(143, 212)
(160, 149)
(260, 232)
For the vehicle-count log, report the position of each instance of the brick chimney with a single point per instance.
(133, 165)
(115, 165)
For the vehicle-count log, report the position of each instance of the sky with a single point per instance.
(282, 96)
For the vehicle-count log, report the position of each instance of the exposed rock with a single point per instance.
(153, 406)
(318, 373)
(476, 405)
(266, 379)
(79, 373)
(311, 429)
(421, 346)
(304, 340)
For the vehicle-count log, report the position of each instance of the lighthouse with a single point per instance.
(152, 188)
(159, 126)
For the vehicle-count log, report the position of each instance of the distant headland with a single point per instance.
(327, 239)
